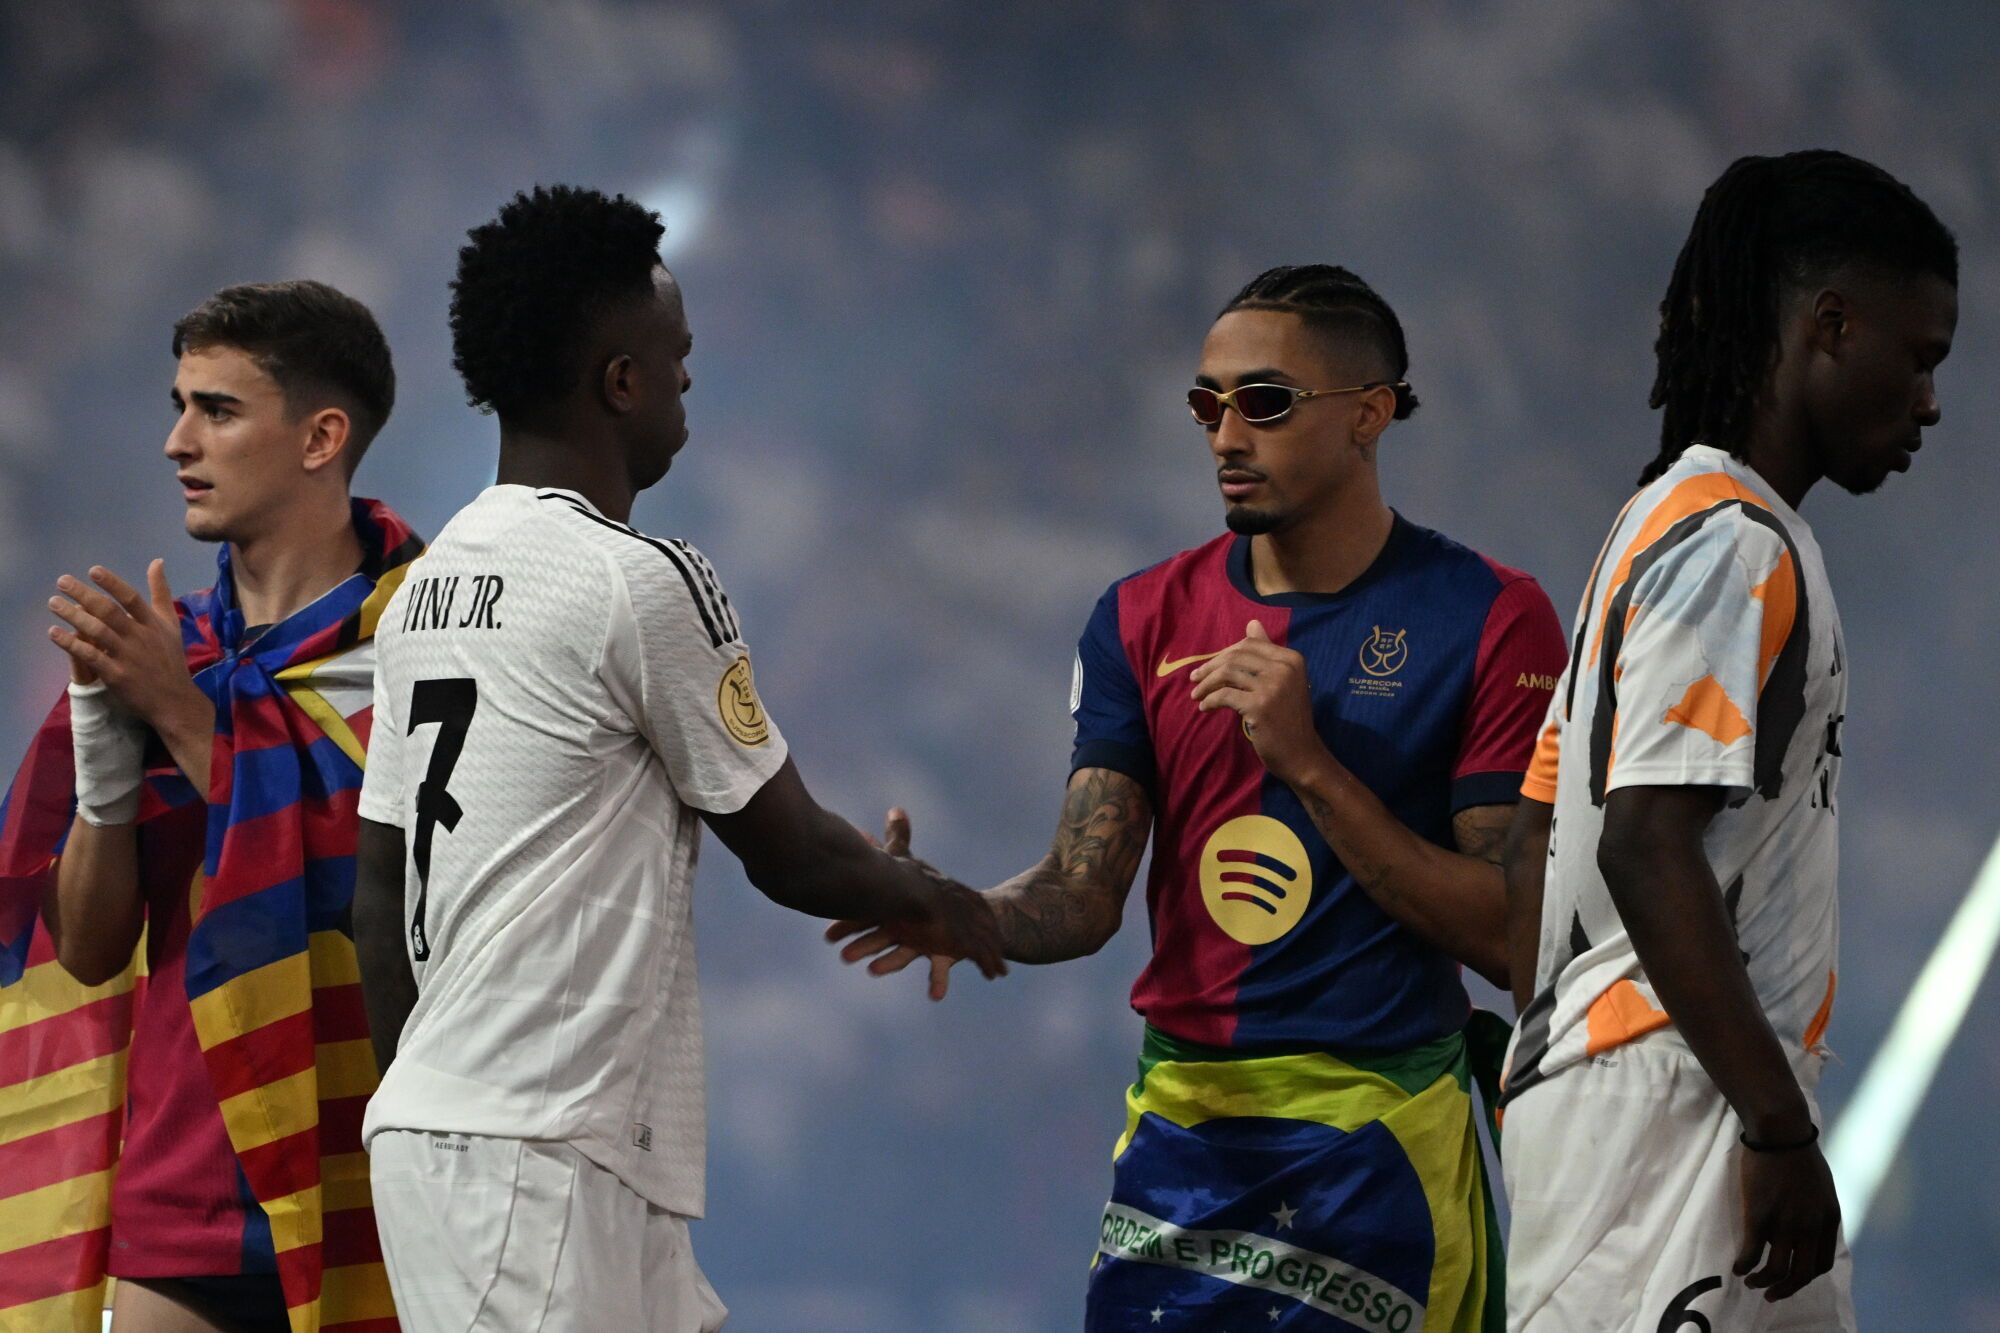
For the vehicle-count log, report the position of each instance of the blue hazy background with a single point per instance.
(948, 268)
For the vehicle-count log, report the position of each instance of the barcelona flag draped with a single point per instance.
(272, 978)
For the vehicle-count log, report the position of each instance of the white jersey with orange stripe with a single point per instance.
(1707, 652)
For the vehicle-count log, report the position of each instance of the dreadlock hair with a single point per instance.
(1335, 302)
(531, 285)
(1768, 226)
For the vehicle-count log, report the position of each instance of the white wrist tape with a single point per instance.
(110, 747)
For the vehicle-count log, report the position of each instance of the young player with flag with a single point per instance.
(188, 1120)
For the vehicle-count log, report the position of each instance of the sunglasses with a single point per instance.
(1261, 404)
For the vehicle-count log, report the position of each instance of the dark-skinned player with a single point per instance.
(1672, 868)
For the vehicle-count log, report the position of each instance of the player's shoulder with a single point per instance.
(658, 573)
(1176, 577)
(1709, 499)
(1482, 580)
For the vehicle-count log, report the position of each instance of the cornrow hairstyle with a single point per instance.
(1334, 301)
(317, 342)
(1768, 226)
(532, 284)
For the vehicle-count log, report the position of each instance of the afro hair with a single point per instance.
(531, 285)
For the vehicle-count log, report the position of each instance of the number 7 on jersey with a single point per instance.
(449, 702)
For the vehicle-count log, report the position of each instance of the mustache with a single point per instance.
(1237, 472)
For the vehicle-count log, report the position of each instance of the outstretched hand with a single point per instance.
(958, 924)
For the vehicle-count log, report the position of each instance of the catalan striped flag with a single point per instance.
(271, 974)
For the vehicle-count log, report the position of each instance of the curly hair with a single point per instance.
(1767, 226)
(314, 340)
(531, 285)
(1335, 302)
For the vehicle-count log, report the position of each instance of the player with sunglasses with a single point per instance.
(1321, 719)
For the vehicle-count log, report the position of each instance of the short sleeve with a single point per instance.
(1104, 700)
(1539, 782)
(1521, 654)
(675, 660)
(382, 776)
(1704, 622)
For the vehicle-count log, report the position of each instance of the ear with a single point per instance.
(621, 384)
(1373, 412)
(1832, 322)
(327, 434)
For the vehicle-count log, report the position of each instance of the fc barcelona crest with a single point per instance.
(1383, 654)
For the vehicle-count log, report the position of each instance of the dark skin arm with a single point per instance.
(1454, 900)
(803, 857)
(1523, 862)
(1657, 870)
(388, 985)
(1067, 905)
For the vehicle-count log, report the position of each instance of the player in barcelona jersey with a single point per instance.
(562, 703)
(1672, 869)
(1321, 719)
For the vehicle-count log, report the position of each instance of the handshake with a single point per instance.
(952, 922)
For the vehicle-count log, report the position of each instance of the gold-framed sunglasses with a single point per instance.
(1262, 404)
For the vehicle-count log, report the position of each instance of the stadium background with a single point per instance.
(948, 269)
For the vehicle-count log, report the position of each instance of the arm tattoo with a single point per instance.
(1371, 873)
(1070, 903)
(1481, 831)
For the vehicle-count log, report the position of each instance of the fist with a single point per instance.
(1268, 688)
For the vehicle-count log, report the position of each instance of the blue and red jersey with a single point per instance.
(1430, 674)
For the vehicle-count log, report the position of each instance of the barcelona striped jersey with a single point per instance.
(1430, 674)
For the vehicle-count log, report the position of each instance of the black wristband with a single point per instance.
(1755, 1146)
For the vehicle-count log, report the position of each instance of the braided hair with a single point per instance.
(1768, 226)
(1336, 302)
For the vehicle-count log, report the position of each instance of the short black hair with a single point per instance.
(1336, 302)
(1767, 227)
(531, 285)
(314, 340)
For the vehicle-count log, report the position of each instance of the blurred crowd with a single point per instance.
(948, 269)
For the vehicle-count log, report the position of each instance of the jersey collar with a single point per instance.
(1386, 559)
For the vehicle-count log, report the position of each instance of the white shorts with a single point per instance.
(1622, 1173)
(514, 1236)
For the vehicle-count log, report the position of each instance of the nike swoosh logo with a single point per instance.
(1167, 668)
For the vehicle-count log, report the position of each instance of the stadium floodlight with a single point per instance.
(1872, 1128)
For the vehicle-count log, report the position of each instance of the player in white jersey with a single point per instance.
(1672, 870)
(561, 702)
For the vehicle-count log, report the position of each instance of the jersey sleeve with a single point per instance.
(1521, 653)
(1539, 782)
(1704, 623)
(1110, 714)
(675, 660)
(382, 775)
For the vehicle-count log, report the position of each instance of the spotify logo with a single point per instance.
(1255, 878)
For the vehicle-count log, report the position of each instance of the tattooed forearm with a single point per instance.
(1070, 903)
(1481, 831)
(1372, 872)
(1454, 899)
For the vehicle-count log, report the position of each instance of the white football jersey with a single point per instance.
(556, 696)
(1707, 653)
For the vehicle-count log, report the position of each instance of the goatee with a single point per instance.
(1248, 522)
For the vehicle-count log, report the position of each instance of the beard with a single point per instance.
(1248, 522)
